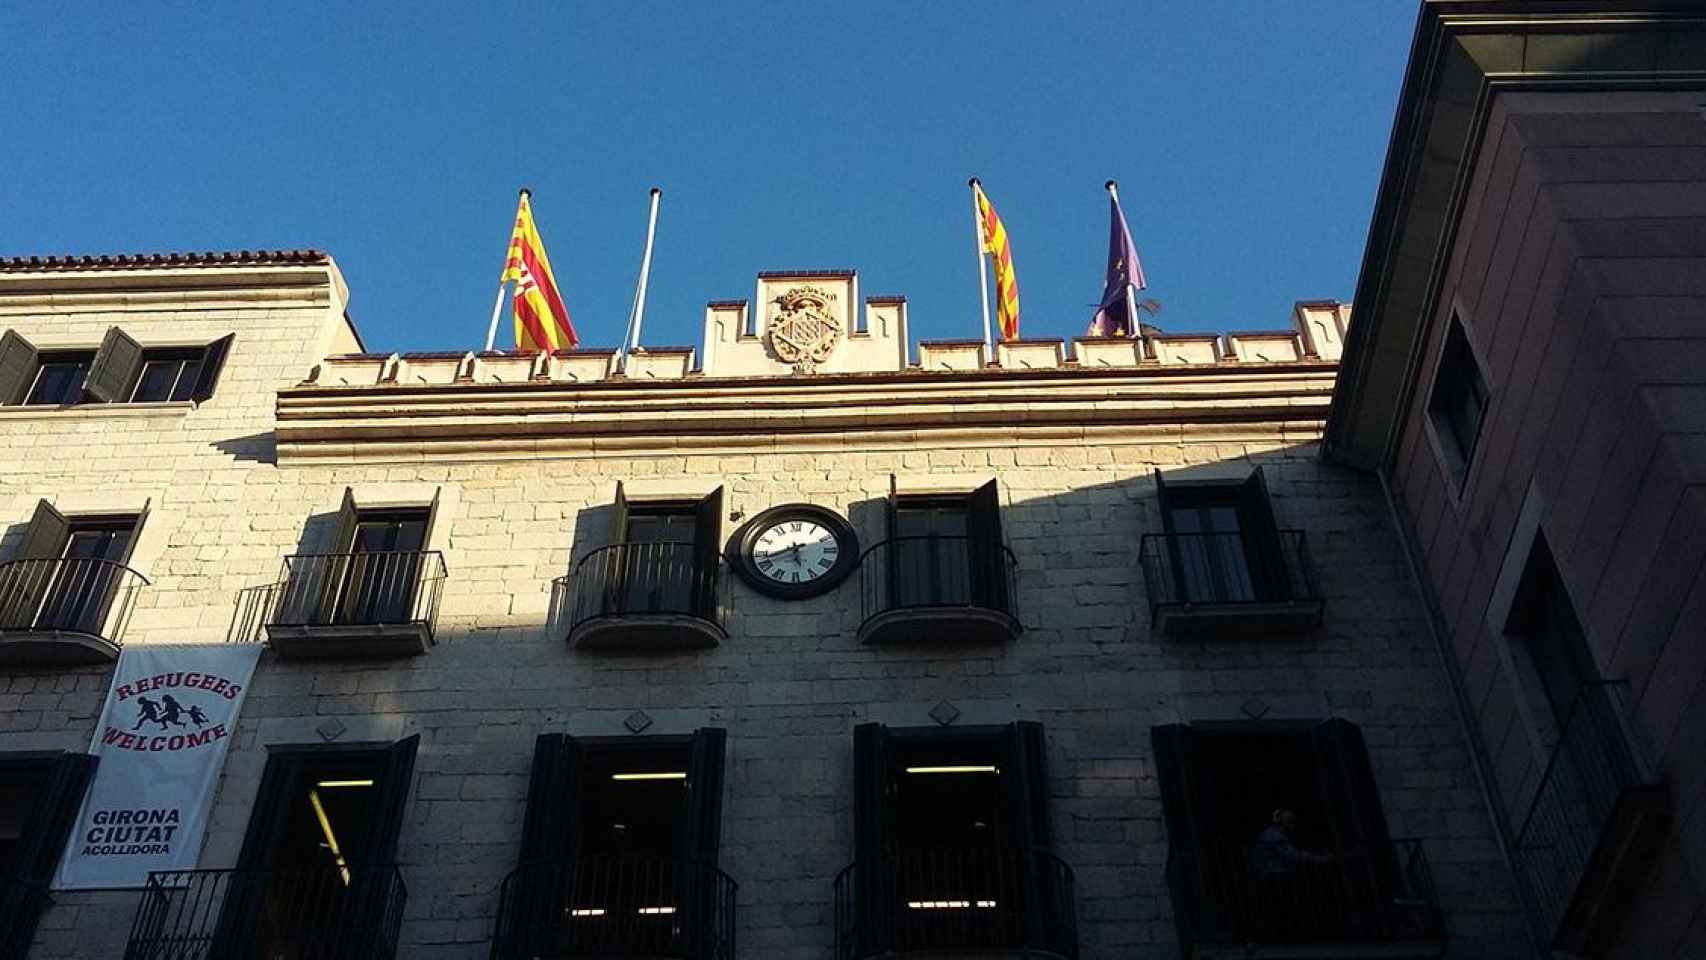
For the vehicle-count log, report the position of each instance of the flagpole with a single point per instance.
(1133, 329)
(982, 269)
(638, 313)
(498, 304)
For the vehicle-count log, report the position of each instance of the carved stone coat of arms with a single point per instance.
(803, 330)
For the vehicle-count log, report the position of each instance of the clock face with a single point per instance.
(795, 551)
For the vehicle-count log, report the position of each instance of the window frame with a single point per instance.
(1457, 366)
(113, 370)
(47, 358)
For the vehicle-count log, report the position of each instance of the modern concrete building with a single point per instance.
(814, 642)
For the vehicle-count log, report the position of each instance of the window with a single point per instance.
(40, 794)
(1276, 834)
(377, 570)
(1459, 401)
(947, 550)
(620, 848)
(1551, 641)
(59, 378)
(70, 574)
(1222, 542)
(951, 842)
(121, 371)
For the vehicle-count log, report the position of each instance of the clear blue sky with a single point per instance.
(1247, 139)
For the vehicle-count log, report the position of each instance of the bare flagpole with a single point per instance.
(982, 268)
(638, 313)
(498, 305)
(1133, 328)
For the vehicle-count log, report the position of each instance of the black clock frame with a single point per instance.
(742, 542)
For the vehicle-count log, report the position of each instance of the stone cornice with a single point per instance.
(1225, 402)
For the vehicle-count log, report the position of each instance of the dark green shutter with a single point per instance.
(114, 370)
(1024, 775)
(619, 516)
(41, 843)
(1175, 750)
(546, 862)
(1349, 798)
(707, 532)
(698, 881)
(395, 782)
(1261, 538)
(18, 364)
(212, 361)
(876, 894)
(889, 576)
(24, 583)
(987, 550)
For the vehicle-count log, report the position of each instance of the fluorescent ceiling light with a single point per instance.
(331, 838)
(587, 912)
(970, 768)
(649, 776)
(950, 904)
(323, 784)
(656, 911)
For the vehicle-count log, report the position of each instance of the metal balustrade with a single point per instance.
(344, 592)
(1234, 579)
(646, 580)
(1592, 798)
(963, 586)
(956, 898)
(1372, 895)
(321, 913)
(616, 906)
(70, 597)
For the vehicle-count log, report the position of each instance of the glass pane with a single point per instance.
(155, 382)
(659, 527)
(59, 382)
(186, 380)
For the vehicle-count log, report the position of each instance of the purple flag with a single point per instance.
(1124, 271)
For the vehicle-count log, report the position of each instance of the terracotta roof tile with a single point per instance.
(154, 261)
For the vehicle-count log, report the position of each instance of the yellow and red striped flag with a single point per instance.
(541, 319)
(1001, 252)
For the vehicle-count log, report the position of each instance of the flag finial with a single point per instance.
(657, 191)
(527, 191)
(1111, 185)
(974, 182)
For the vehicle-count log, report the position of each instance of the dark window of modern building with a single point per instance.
(121, 371)
(68, 571)
(951, 840)
(946, 549)
(1458, 404)
(620, 848)
(1222, 541)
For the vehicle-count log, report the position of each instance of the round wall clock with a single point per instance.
(795, 551)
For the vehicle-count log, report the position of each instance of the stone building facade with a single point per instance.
(519, 460)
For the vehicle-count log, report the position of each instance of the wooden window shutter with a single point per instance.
(278, 781)
(619, 516)
(1176, 758)
(549, 837)
(876, 890)
(1261, 538)
(135, 532)
(115, 367)
(18, 363)
(212, 361)
(987, 549)
(45, 537)
(698, 880)
(1349, 798)
(1025, 777)
(343, 527)
(395, 783)
(707, 534)
(50, 821)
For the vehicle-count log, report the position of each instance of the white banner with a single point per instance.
(169, 717)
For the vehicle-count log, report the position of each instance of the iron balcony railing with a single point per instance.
(1185, 569)
(923, 572)
(345, 590)
(956, 898)
(21, 904)
(616, 906)
(78, 595)
(1592, 771)
(330, 912)
(644, 579)
(1379, 893)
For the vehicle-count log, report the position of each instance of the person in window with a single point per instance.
(1278, 868)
